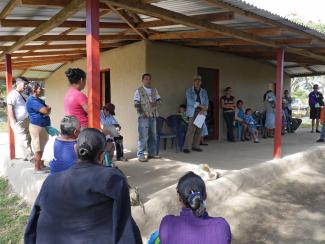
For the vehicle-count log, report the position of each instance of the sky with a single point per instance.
(307, 10)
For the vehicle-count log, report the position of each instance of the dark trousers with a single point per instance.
(119, 146)
(229, 119)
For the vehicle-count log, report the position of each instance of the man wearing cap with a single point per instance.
(146, 99)
(316, 101)
(111, 128)
(197, 102)
(18, 119)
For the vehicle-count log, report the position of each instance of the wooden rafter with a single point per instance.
(128, 20)
(165, 14)
(48, 53)
(51, 3)
(61, 47)
(207, 17)
(207, 34)
(66, 24)
(70, 9)
(8, 8)
(58, 38)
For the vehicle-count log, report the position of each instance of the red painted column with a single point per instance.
(9, 88)
(278, 103)
(93, 68)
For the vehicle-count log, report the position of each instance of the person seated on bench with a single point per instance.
(111, 129)
(241, 125)
(64, 153)
(193, 225)
(251, 125)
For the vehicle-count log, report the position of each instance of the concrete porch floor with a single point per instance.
(156, 175)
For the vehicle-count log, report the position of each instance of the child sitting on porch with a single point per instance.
(182, 112)
(251, 125)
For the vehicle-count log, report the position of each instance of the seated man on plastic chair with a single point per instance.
(111, 129)
(240, 123)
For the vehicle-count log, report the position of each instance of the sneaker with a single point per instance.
(154, 157)
(197, 149)
(204, 144)
(123, 159)
(311, 131)
(256, 141)
(320, 140)
(317, 131)
(142, 159)
(186, 151)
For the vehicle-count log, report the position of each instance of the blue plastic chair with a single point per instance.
(179, 128)
(162, 135)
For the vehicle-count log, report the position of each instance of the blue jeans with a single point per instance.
(322, 133)
(147, 136)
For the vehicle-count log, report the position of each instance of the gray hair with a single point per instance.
(68, 125)
(21, 79)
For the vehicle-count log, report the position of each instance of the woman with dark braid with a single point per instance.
(87, 203)
(75, 101)
(194, 225)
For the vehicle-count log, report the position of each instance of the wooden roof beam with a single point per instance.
(53, 53)
(128, 20)
(62, 47)
(52, 3)
(70, 9)
(66, 24)
(58, 38)
(45, 58)
(8, 9)
(207, 34)
(307, 75)
(207, 17)
(179, 18)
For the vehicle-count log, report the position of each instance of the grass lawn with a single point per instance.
(3, 122)
(13, 215)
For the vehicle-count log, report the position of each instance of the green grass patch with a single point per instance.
(13, 215)
(3, 121)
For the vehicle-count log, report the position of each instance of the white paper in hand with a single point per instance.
(199, 120)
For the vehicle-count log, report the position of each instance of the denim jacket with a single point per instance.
(191, 100)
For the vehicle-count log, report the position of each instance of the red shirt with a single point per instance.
(73, 102)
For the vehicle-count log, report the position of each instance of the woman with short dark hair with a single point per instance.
(39, 118)
(87, 203)
(194, 225)
(228, 107)
(76, 102)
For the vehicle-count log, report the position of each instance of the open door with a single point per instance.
(105, 81)
(210, 82)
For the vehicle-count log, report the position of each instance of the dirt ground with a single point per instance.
(290, 210)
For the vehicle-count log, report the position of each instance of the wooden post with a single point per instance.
(278, 103)
(93, 69)
(9, 88)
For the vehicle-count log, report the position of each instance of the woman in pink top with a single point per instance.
(75, 102)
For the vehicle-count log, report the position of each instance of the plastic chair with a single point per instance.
(162, 135)
(179, 128)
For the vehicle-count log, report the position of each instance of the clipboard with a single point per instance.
(199, 120)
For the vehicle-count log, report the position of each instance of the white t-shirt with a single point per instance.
(16, 99)
(148, 91)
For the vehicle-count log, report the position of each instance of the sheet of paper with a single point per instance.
(199, 120)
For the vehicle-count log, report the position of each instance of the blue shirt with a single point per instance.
(107, 120)
(64, 155)
(33, 105)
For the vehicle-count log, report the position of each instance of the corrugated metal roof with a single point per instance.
(49, 67)
(297, 70)
(318, 68)
(36, 74)
(15, 73)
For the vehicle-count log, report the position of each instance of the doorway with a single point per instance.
(105, 81)
(210, 82)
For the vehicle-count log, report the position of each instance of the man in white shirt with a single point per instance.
(18, 119)
(146, 101)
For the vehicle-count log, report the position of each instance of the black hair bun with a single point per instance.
(84, 151)
(70, 73)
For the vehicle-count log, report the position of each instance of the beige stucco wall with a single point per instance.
(173, 68)
(126, 64)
